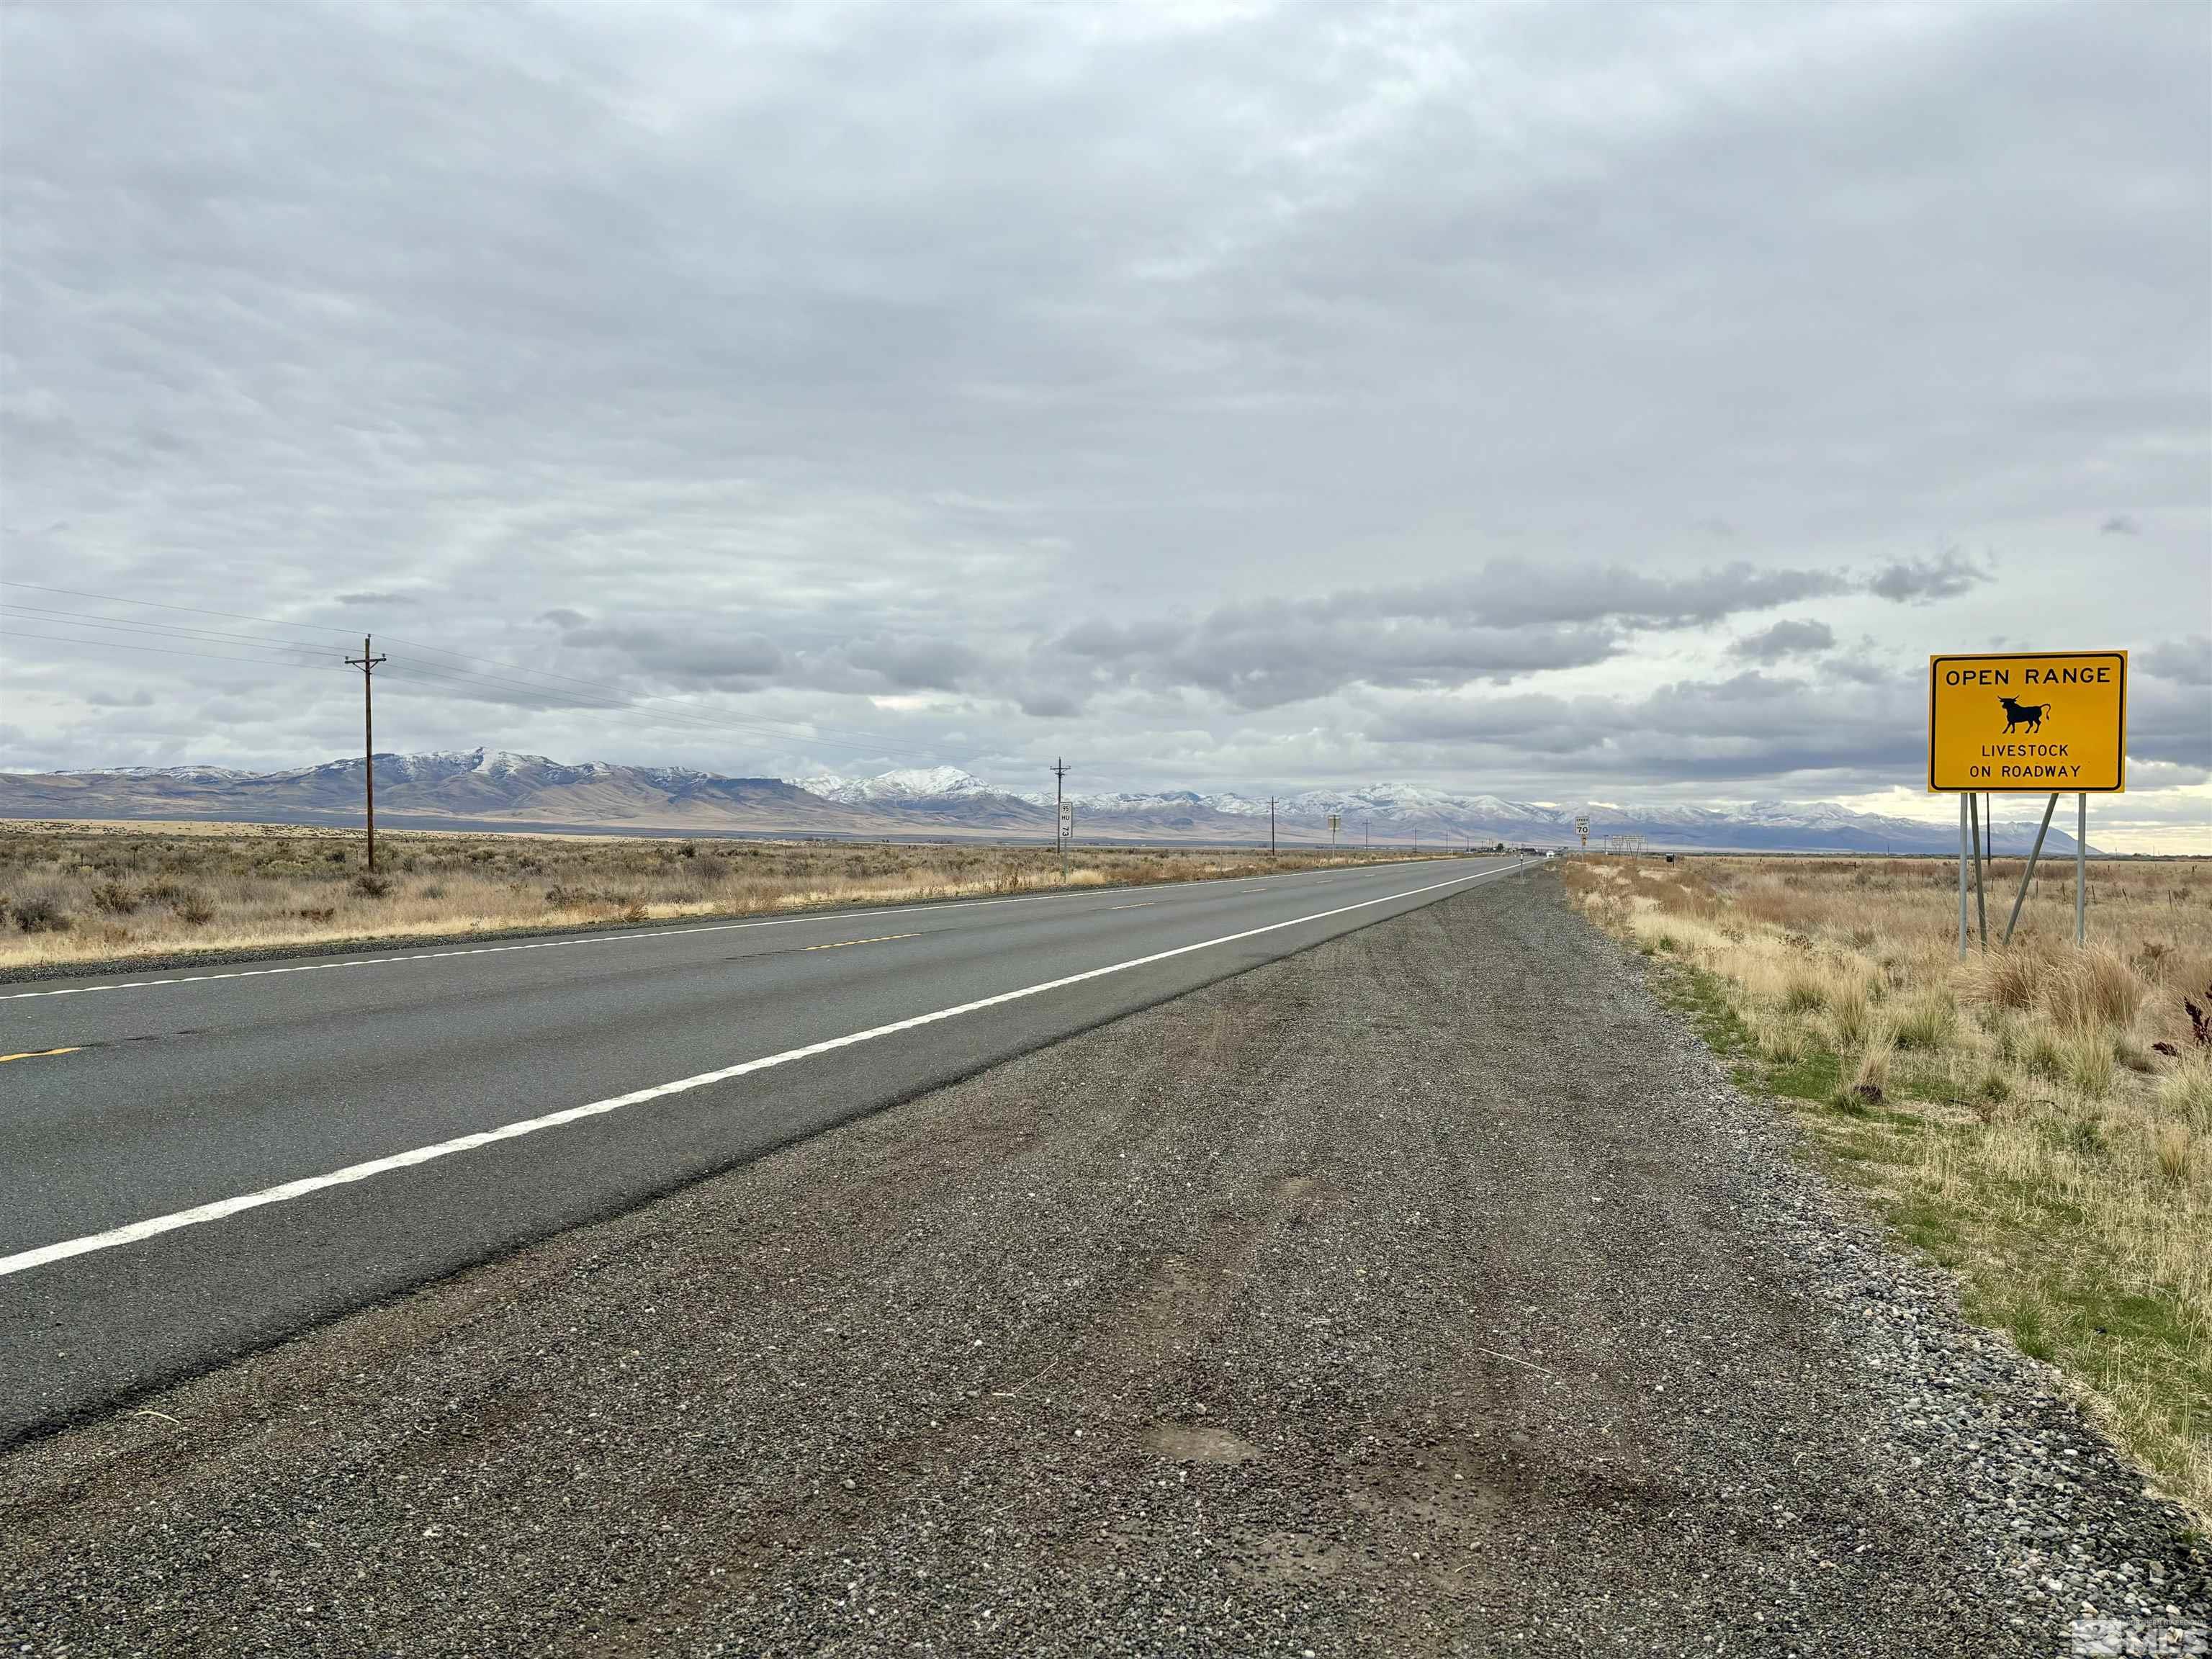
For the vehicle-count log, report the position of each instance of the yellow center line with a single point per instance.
(36, 1054)
(881, 938)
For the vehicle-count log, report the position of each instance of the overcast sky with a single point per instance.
(1608, 403)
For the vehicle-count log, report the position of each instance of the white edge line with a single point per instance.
(23, 1260)
(649, 934)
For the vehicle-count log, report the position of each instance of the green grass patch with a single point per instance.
(1819, 1076)
(2028, 1260)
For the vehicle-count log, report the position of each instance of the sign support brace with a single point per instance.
(2028, 874)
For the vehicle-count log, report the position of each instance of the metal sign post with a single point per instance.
(1962, 876)
(1335, 819)
(1981, 903)
(2080, 869)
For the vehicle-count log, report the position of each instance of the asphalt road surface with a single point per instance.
(1427, 1293)
(196, 1164)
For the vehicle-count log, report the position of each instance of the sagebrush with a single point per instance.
(74, 893)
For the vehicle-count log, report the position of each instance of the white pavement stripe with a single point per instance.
(23, 1260)
(606, 939)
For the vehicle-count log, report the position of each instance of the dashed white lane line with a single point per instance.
(844, 944)
(23, 1260)
(592, 939)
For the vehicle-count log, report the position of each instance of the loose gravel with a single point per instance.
(1430, 1293)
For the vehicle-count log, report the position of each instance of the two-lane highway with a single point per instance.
(194, 1164)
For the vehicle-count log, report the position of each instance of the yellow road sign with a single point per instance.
(2029, 722)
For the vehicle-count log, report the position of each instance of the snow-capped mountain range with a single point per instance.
(494, 789)
(1397, 811)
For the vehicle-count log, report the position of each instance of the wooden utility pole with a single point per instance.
(1271, 826)
(1060, 814)
(367, 662)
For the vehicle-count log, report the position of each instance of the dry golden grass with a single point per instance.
(82, 893)
(2040, 1118)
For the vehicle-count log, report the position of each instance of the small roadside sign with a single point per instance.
(1335, 822)
(2035, 722)
(1582, 828)
(1067, 820)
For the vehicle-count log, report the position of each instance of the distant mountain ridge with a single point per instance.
(1396, 812)
(493, 788)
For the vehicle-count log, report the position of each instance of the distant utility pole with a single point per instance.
(1060, 814)
(1271, 826)
(367, 665)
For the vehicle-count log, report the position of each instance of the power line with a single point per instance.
(466, 682)
(150, 650)
(614, 702)
(466, 678)
(660, 705)
(629, 698)
(157, 604)
(121, 624)
(613, 698)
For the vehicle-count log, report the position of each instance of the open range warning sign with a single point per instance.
(2037, 722)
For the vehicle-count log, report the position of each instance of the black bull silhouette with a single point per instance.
(2029, 714)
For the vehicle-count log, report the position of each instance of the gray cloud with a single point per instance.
(1505, 621)
(1735, 730)
(2119, 525)
(1755, 724)
(1210, 394)
(1519, 593)
(1785, 639)
(2185, 662)
(684, 652)
(1918, 581)
(2171, 725)
(1744, 728)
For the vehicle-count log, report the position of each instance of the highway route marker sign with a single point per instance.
(2034, 722)
(1067, 820)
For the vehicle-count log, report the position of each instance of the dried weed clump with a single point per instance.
(2039, 1117)
(88, 893)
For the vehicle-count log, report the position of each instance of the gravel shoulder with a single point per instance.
(1429, 1292)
